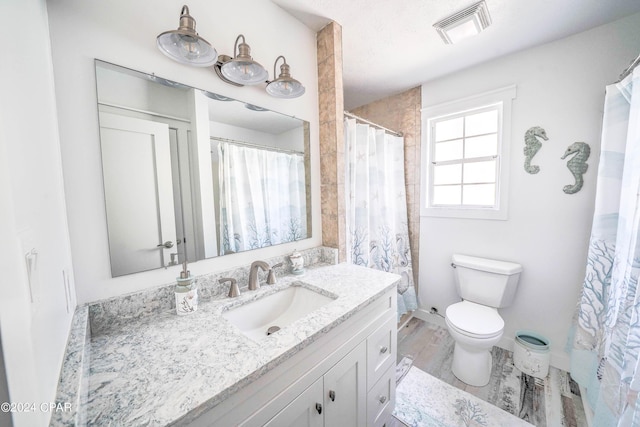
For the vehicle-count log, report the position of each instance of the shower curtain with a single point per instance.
(605, 355)
(376, 205)
(262, 197)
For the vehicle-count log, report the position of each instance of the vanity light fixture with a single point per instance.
(465, 23)
(254, 107)
(284, 86)
(216, 97)
(242, 69)
(165, 82)
(185, 45)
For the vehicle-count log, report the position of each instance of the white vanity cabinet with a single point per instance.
(344, 378)
(303, 411)
(381, 372)
(336, 399)
(344, 400)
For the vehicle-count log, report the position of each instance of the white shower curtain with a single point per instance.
(605, 355)
(377, 222)
(262, 197)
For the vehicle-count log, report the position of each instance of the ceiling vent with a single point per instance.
(465, 23)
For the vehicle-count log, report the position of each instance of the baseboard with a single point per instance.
(406, 320)
(423, 314)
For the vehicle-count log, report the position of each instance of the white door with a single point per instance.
(136, 163)
(345, 390)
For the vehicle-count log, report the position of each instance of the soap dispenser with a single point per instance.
(186, 293)
(297, 263)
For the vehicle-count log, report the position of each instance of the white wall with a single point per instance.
(560, 86)
(291, 140)
(121, 89)
(123, 32)
(32, 214)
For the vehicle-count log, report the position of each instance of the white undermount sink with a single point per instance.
(255, 318)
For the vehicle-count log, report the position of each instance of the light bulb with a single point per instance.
(244, 72)
(190, 45)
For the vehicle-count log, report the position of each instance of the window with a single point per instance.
(466, 153)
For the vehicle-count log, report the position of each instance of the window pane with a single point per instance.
(449, 129)
(480, 172)
(479, 195)
(450, 150)
(478, 124)
(447, 195)
(481, 146)
(447, 174)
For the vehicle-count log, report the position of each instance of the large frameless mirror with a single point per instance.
(189, 174)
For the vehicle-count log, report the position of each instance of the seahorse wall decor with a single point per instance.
(577, 164)
(531, 147)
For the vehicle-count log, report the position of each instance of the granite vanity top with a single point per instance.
(164, 368)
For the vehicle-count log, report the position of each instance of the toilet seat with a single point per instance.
(474, 320)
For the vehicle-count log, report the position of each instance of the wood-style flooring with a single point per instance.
(552, 402)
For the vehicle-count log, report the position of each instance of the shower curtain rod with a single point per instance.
(629, 69)
(262, 147)
(358, 118)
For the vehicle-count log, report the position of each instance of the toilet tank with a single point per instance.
(486, 281)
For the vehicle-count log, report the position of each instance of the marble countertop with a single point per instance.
(155, 370)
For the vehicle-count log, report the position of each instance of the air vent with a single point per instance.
(463, 24)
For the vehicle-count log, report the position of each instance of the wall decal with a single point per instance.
(577, 164)
(531, 147)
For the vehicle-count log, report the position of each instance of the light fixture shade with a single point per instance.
(185, 45)
(254, 108)
(284, 86)
(242, 69)
(215, 96)
(465, 23)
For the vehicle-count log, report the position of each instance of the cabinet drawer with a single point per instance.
(381, 398)
(381, 350)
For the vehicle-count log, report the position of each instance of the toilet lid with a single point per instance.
(475, 318)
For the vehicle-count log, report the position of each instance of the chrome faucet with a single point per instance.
(253, 274)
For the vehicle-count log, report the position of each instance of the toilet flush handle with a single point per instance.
(453, 265)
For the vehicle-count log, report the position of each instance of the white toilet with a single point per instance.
(474, 323)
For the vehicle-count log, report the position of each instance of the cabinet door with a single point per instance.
(306, 410)
(345, 390)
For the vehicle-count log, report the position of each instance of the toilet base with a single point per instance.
(472, 366)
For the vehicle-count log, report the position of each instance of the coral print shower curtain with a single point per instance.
(262, 197)
(377, 225)
(605, 357)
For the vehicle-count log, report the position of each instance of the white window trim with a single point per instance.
(505, 96)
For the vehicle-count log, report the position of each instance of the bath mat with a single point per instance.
(424, 401)
(402, 368)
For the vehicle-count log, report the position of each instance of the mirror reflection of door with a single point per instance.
(193, 118)
(138, 192)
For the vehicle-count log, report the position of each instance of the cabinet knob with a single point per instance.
(332, 395)
(319, 408)
(384, 349)
(382, 399)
